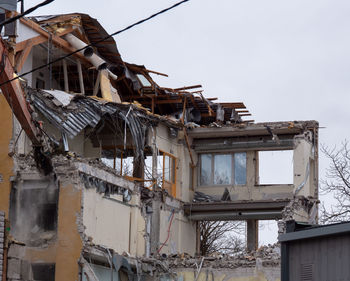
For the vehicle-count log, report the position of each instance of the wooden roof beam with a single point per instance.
(188, 88)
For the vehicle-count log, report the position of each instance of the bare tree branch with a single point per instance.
(337, 182)
(221, 236)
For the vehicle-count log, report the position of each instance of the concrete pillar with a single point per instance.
(252, 235)
(155, 223)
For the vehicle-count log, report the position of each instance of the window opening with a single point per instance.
(276, 167)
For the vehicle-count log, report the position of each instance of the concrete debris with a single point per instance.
(266, 256)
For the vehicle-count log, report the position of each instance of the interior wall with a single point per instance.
(182, 233)
(109, 222)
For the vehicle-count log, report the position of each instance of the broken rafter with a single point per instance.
(22, 57)
(210, 110)
(156, 72)
(56, 40)
(14, 95)
(188, 88)
(233, 105)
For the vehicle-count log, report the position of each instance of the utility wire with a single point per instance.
(25, 13)
(99, 41)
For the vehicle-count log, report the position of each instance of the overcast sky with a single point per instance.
(286, 60)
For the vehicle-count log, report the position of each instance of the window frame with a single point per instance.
(232, 178)
(172, 188)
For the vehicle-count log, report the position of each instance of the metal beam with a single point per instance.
(261, 145)
(226, 216)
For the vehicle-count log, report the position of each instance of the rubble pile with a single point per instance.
(266, 256)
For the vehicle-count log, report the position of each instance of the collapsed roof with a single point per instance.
(134, 83)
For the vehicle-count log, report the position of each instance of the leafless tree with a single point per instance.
(221, 236)
(337, 182)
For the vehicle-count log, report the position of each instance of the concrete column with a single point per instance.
(155, 222)
(252, 235)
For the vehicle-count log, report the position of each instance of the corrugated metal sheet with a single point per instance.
(83, 111)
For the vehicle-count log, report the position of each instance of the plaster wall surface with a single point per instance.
(302, 166)
(182, 234)
(107, 221)
(24, 32)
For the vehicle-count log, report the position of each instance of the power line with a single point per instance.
(99, 41)
(25, 13)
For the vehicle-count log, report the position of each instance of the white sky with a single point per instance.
(286, 60)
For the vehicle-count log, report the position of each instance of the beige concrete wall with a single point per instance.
(182, 238)
(238, 274)
(303, 165)
(107, 221)
(113, 224)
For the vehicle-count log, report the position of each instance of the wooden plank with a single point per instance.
(65, 75)
(23, 56)
(156, 72)
(14, 95)
(188, 88)
(208, 114)
(40, 39)
(56, 40)
(188, 146)
(245, 114)
(183, 111)
(233, 105)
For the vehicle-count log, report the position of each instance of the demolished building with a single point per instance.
(104, 173)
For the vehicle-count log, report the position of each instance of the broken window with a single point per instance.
(119, 160)
(144, 81)
(223, 169)
(33, 210)
(103, 273)
(43, 272)
(276, 167)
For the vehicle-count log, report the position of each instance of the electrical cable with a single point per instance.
(99, 41)
(25, 13)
